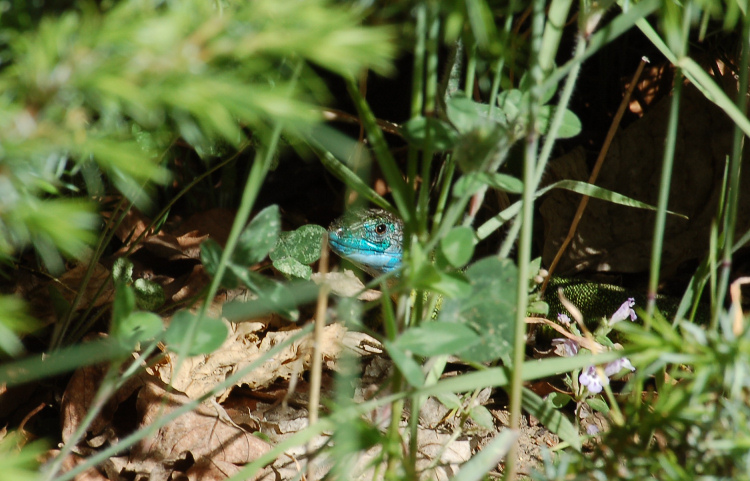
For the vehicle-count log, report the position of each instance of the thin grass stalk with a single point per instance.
(699, 78)
(567, 92)
(449, 85)
(173, 200)
(471, 67)
(417, 87)
(445, 179)
(666, 173)
(733, 194)
(430, 103)
(661, 212)
(316, 370)
(556, 17)
(524, 250)
(61, 328)
(495, 89)
(83, 328)
(400, 190)
(621, 24)
(58, 335)
(422, 211)
(501, 61)
(707, 270)
(106, 389)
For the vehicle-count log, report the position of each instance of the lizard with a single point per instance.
(372, 239)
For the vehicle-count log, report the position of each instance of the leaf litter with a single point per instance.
(222, 434)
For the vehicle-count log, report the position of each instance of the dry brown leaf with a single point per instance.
(187, 286)
(346, 284)
(169, 247)
(73, 460)
(215, 222)
(212, 470)
(67, 285)
(203, 433)
(133, 225)
(201, 373)
(73, 279)
(76, 403)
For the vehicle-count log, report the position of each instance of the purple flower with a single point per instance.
(563, 319)
(615, 367)
(565, 347)
(625, 311)
(590, 379)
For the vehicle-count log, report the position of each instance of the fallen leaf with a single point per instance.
(205, 433)
(200, 374)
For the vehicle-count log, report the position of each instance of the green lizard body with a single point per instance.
(373, 240)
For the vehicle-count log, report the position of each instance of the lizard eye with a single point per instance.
(381, 229)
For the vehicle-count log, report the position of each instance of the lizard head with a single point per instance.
(370, 238)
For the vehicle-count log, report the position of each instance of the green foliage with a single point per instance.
(437, 338)
(424, 133)
(14, 320)
(130, 326)
(255, 242)
(18, 461)
(699, 416)
(93, 99)
(458, 246)
(148, 295)
(295, 250)
(116, 85)
(209, 335)
(489, 309)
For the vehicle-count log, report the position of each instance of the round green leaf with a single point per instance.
(436, 338)
(504, 182)
(148, 294)
(482, 416)
(302, 244)
(570, 127)
(449, 400)
(468, 184)
(429, 132)
(209, 334)
(489, 309)
(466, 115)
(597, 404)
(449, 284)
(123, 304)
(138, 326)
(210, 256)
(291, 267)
(122, 271)
(259, 237)
(558, 399)
(458, 245)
